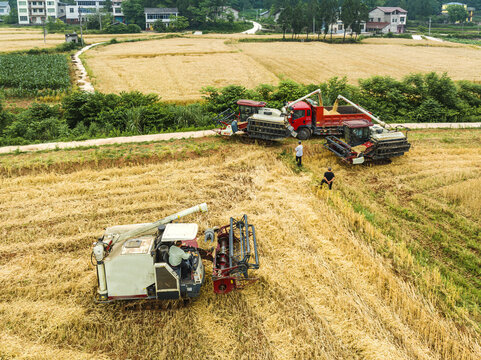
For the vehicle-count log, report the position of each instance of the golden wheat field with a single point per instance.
(325, 289)
(177, 69)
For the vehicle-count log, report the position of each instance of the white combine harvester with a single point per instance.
(132, 261)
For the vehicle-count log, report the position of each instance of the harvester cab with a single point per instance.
(254, 120)
(132, 261)
(365, 141)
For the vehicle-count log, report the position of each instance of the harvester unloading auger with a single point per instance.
(132, 261)
(302, 118)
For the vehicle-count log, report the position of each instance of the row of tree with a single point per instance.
(298, 15)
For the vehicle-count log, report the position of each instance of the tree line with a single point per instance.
(80, 115)
(299, 16)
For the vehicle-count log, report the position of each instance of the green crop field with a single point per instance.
(34, 72)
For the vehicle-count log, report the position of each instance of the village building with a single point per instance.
(383, 20)
(4, 8)
(32, 12)
(163, 14)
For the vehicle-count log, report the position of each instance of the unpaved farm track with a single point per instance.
(189, 134)
(323, 293)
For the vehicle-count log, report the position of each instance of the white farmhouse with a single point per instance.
(4, 8)
(83, 8)
(387, 20)
(37, 11)
(154, 14)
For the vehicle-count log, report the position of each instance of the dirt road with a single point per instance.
(181, 135)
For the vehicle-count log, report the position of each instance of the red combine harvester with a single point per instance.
(132, 261)
(304, 117)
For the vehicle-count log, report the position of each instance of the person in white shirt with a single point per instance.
(299, 153)
(178, 257)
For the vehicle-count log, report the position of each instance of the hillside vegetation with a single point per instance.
(386, 266)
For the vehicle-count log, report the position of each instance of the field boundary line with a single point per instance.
(185, 135)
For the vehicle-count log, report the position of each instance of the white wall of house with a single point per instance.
(117, 10)
(154, 14)
(83, 8)
(396, 19)
(37, 11)
(4, 8)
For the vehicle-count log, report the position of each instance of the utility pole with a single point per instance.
(430, 26)
(313, 25)
(44, 19)
(81, 34)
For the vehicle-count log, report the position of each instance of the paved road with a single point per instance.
(255, 29)
(98, 142)
(184, 135)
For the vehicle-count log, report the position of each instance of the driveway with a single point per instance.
(255, 29)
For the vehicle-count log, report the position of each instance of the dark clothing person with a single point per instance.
(185, 268)
(299, 161)
(328, 179)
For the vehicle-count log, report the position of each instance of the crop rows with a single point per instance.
(34, 72)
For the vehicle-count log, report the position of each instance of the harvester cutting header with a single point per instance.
(304, 118)
(136, 261)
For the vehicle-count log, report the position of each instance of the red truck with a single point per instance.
(301, 118)
(304, 117)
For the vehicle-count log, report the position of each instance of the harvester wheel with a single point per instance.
(303, 134)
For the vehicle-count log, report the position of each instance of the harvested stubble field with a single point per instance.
(177, 69)
(13, 39)
(335, 281)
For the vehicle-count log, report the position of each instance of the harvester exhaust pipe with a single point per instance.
(364, 111)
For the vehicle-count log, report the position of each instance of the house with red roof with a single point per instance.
(383, 20)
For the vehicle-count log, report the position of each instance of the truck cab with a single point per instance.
(300, 119)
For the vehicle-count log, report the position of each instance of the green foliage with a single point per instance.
(120, 28)
(133, 11)
(416, 98)
(34, 72)
(6, 118)
(54, 25)
(159, 26)
(457, 13)
(39, 122)
(178, 23)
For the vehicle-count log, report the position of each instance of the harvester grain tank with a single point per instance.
(132, 261)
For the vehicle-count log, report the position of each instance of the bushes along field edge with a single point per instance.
(416, 98)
